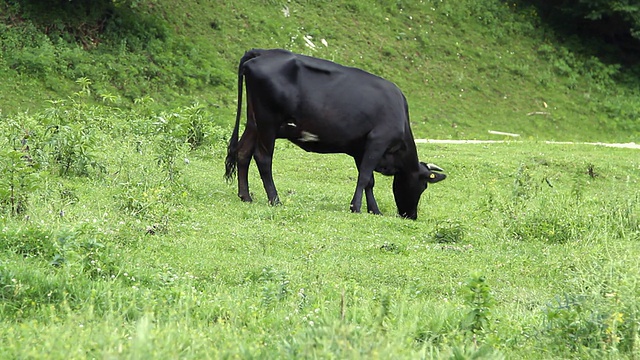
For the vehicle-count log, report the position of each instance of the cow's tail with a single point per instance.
(231, 162)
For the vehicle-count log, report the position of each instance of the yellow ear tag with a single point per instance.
(433, 176)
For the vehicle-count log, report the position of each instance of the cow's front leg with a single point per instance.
(264, 159)
(372, 205)
(356, 202)
(366, 163)
(363, 181)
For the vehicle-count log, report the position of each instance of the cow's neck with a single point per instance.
(410, 160)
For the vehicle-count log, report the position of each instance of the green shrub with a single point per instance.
(551, 228)
(578, 323)
(525, 185)
(275, 286)
(173, 132)
(30, 240)
(19, 164)
(18, 180)
(24, 291)
(449, 231)
(98, 261)
(479, 301)
(72, 148)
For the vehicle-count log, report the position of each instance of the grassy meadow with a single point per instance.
(120, 239)
(466, 66)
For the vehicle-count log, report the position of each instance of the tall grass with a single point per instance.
(119, 237)
(528, 250)
(466, 66)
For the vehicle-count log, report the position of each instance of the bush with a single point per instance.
(479, 301)
(449, 231)
(580, 323)
(19, 166)
(550, 228)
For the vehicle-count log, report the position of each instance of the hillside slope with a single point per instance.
(466, 66)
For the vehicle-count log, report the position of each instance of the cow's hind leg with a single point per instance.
(246, 148)
(264, 158)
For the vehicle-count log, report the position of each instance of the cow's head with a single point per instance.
(408, 187)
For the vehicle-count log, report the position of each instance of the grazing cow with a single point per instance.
(324, 107)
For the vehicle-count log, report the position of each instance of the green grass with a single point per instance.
(467, 67)
(120, 239)
(527, 250)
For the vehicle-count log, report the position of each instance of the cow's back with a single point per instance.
(335, 103)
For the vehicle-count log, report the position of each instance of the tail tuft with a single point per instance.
(231, 162)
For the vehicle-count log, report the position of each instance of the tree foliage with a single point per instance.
(616, 22)
(82, 21)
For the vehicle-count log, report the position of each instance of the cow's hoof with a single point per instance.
(245, 198)
(275, 202)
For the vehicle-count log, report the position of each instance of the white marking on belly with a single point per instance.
(308, 137)
(292, 124)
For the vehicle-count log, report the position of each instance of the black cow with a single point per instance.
(324, 107)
